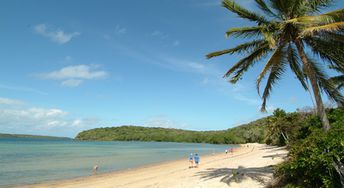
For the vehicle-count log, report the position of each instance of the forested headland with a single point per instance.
(277, 129)
(251, 132)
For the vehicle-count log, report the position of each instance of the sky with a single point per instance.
(68, 66)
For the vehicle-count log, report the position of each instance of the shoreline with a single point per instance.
(114, 172)
(165, 174)
(99, 175)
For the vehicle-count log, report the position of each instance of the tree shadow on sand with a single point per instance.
(268, 147)
(229, 175)
(276, 155)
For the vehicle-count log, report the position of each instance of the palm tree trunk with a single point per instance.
(285, 137)
(312, 99)
(311, 75)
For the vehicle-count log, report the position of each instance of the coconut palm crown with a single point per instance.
(286, 34)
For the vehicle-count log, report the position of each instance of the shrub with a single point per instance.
(311, 160)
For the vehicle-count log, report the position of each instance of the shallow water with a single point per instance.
(27, 160)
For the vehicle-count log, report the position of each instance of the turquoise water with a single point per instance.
(27, 161)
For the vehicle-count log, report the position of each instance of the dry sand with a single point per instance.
(246, 167)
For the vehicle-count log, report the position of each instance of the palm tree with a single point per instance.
(277, 126)
(287, 32)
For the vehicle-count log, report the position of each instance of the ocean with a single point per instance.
(28, 160)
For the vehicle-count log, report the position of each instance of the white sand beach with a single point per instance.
(247, 167)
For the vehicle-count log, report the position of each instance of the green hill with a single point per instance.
(251, 132)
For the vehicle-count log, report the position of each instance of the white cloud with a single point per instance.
(73, 76)
(38, 120)
(77, 122)
(71, 83)
(7, 101)
(120, 30)
(76, 71)
(55, 123)
(42, 113)
(58, 36)
(33, 117)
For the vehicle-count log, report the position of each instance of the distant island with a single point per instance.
(4, 135)
(247, 133)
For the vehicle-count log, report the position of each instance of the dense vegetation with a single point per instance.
(316, 157)
(251, 132)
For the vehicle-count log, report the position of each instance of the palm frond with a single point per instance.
(240, 67)
(294, 21)
(324, 83)
(332, 27)
(276, 72)
(243, 13)
(297, 8)
(335, 37)
(283, 7)
(338, 69)
(328, 49)
(295, 66)
(338, 81)
(316, 5)
(264, 7)
(327, 18)
(244, 31)
(275, 58)
(270, 38)
(245, 47)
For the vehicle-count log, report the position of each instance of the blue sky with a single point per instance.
(68, 66)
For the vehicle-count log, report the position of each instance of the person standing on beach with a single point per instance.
(191, 160)
(226, 151)
(95, 169)
(197, 160)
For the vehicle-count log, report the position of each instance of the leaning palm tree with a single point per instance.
(286, 33)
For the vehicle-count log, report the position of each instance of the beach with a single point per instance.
(248, 166)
